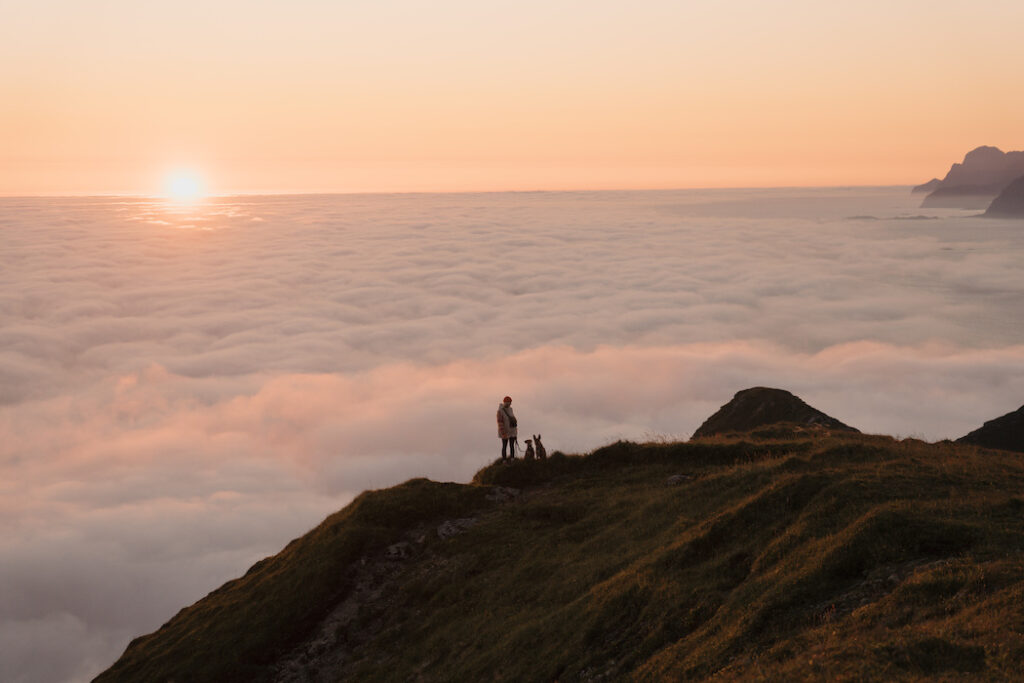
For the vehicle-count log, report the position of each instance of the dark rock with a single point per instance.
(932, 184)
(961, 197)
(501, 494)
(982, 174)
(1010, 202)
(752, 408)
(398, 551)
(454, 527)
(1005, 433)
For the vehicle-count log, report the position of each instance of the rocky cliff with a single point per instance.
(972, 183)
(932, 184)
(1010, 202)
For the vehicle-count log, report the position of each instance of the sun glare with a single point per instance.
(184, 186)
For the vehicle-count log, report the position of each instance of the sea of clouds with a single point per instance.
(183, 389)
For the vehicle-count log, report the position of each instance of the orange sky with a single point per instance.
(395, 95)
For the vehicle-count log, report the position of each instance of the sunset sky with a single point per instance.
(398, 95)
(186, 386)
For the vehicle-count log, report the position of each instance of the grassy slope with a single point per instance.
(786, 555)
(236, 632)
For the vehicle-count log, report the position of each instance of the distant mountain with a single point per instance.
(982, 175)
(1005, 433)
(1010, 202)
(985, 166)
(932, 184)
(960, 197)
(759, 406)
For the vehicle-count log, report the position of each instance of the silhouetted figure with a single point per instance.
(507, 431)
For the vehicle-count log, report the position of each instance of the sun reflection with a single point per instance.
(201, 213)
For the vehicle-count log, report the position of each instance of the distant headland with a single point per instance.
(1010, 202)
(973, 183)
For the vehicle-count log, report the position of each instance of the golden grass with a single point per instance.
(786, 554)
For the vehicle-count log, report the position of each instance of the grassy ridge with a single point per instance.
(782, 554)
(243, 627)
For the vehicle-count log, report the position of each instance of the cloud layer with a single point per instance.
(184, 390)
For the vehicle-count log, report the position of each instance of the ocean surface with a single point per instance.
(183, 389)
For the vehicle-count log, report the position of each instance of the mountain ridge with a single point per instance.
(1010, 202)
(1005, 433)
(790, 551)
(972, 183)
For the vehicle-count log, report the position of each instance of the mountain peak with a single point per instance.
(982, 154)
(982, 175)
(758, 406)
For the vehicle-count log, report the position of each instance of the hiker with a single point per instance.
(507, 428)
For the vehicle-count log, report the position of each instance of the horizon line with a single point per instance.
(327, 193)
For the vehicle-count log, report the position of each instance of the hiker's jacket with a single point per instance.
(505, 428)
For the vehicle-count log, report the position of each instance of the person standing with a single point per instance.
(507, 428)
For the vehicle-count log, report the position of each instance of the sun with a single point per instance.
(184, 185)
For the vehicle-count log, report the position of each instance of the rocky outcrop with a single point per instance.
(1005, 433)
(960, 197)
(1010, 202)
(982, 175)
(932, 184)
(752, 408)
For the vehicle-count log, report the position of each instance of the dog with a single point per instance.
(542, 453)
(528, 455)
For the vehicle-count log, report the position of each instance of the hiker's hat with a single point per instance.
(507, 399)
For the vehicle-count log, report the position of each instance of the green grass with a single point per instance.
(788, 554)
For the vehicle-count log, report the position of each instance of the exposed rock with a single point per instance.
(982, 175)
(1010, 202)
(454, 527)
(1005, 433)
(961, 197)
(932, 184)
(752, 408)
(985, 165)
(398, 551)
(502, 494)
(677, 479)
(356, 619)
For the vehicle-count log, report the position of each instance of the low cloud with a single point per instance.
(178, 403)
(141, 498)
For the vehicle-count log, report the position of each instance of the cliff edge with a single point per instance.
(787, 553)
(1010, 202)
